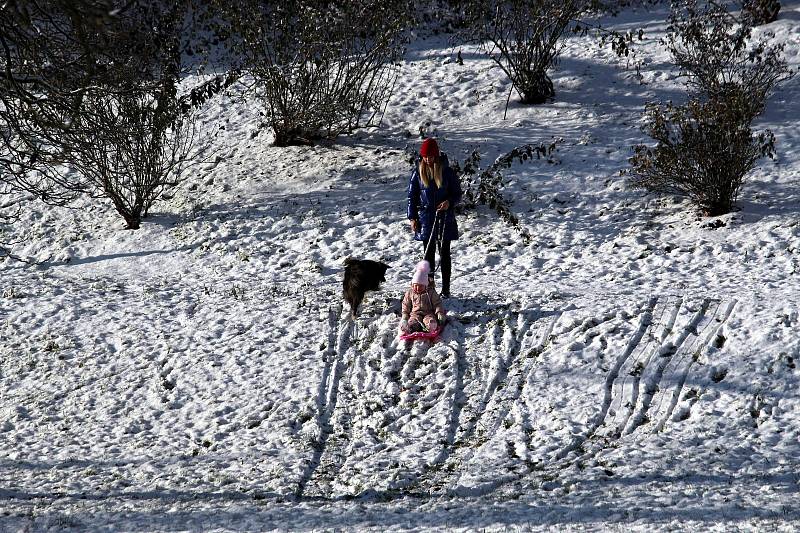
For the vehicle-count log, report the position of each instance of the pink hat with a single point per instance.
(421, 273)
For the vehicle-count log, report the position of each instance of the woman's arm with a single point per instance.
(412, 210)
(454, 192)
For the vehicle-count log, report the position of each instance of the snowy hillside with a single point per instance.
(634, 366)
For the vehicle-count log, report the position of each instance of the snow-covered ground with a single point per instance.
(634, 367)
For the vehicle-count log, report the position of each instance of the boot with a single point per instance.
(445, 289)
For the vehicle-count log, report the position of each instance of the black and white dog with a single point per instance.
(360, 276)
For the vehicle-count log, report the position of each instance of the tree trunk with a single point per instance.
(133, 218)
(292, 137)
(536, 89)
(717, 208)
(132, 221)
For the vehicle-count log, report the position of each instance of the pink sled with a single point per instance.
(422, 335)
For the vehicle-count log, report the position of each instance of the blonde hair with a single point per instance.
(426, 172)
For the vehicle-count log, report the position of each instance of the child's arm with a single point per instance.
(406, 305)
(436, 300)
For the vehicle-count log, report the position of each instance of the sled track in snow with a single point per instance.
(687, 358)
(337, 402)
(461, 438)
(644, 323)
(644, 386)
(642, 390)
(414, 352)
(654, 372)
(638, 382)
(694, 393)
(533, 343)
(625, 391)
(321, 470)
(499, 396)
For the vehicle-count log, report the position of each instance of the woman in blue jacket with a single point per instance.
(433, 192)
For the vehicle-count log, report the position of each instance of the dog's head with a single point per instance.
(380, 269)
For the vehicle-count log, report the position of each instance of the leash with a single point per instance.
(438, 234)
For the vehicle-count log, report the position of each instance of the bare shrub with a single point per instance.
(320, 69)
(89, 103)
(717, 55)
(706, 147)
(524, 38)
(42, 76)
(140, 145)
(9, 213)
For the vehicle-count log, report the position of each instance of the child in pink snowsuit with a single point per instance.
(422, 307)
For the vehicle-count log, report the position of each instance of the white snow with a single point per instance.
(634, 367)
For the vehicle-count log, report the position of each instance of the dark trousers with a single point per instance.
(444, 261)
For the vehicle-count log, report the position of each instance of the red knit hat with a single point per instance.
(429, 148)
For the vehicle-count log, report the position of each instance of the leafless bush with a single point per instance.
(704, 151)
(524, 38)
(88, 100)
(41, 82)
(139, 146)
(319, 68)
(706, 146)
(9, 213)
(715, 52)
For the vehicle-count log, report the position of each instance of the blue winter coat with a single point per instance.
(422, 202)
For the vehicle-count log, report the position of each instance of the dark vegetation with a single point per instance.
(89, 102)
(706, 146)
(318, 69)
(92, 102)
